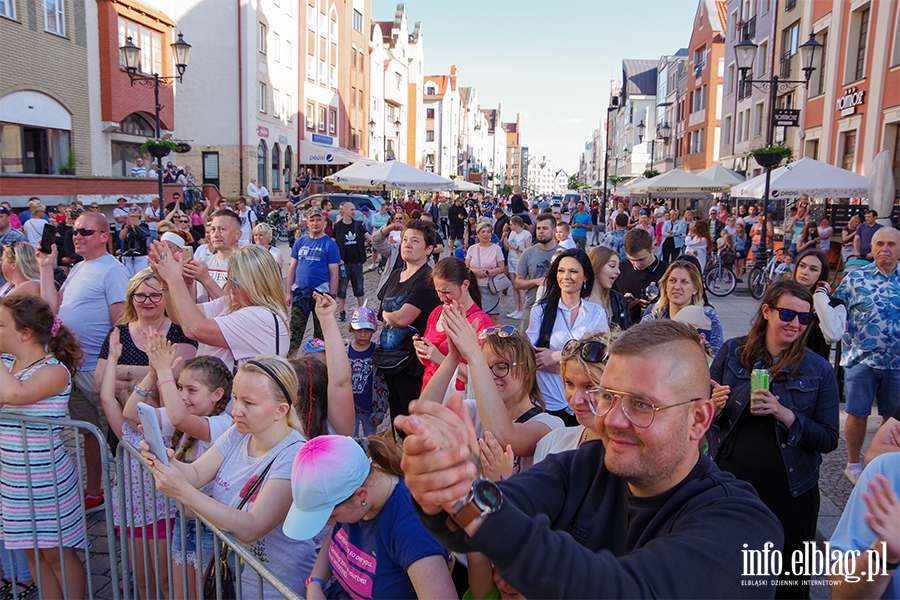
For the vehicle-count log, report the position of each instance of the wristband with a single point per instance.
(160, 384)
(142, 391)
(318, 580)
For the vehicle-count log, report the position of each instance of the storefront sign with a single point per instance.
(323, 139)
(787, 117)
(282, 139)
(262, 131)
(850, 100)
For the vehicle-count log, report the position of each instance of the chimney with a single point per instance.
(453, 78)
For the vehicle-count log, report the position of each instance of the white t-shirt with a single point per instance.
(119, 212)
(218, 425)
(248, 218)
(148, 213)
(567, 243)
(558, 440)
(248, 332)
(34, 229)
(218, 270)
(591, 318)
(521, 462)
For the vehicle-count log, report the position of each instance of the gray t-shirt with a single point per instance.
(291, 560)
(88, 292)
(534, 263)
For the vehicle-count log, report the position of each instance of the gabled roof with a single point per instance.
(385, 27)
(441, 82)
(511, 127)
(463, 95)
(639, 76)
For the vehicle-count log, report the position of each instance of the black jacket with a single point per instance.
(619, 313)
(568, 528)
(636, 282)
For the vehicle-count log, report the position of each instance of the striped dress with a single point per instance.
(54, 484)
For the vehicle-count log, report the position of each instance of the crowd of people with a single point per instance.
(437, 452)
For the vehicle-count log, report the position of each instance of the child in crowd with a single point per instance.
(143, 516)
(194, 414)
(15, 563)
(458, 251)
(369, 388)
(784, 268)
(39, 356)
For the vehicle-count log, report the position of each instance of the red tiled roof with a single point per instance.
(386, 27)
(723, 13)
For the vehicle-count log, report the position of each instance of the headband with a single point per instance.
(274, 377)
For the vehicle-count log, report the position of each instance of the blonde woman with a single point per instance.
(262, 236)
(250, 319)
(21, 270)
(682, 286)
(261, 445)
(485, 259)
(34, 227)
(848, 234)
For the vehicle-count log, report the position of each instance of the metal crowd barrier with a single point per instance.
(154, 576)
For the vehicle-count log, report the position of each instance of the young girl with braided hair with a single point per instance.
(192, 416)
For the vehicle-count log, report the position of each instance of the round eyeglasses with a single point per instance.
(639, 410)
(153, 298)
(501, 369)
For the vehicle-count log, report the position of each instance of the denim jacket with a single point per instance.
(813, 396)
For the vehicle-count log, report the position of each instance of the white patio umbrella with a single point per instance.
(679, 184)
(460, 185)
(625, 188)
(393, 175)
(806, 176)
(881, 187)
(722, 175)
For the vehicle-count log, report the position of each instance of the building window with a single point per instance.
(8, 9)
(322, 73)
(354, 139)
(150, 42)
(310, 115)
(362, 61)
(310, 16)
(288, 164)
(353, 57)
(332, 121)
(276, 100)
(333, 29)
(429, 135)
(321, 121)
(289, 107)
(399, 78)
(429, 91)
(820, 74)
(35, 150)
(861, 46)
(261, 155)
(357, 20)
(758, 120)
(729, 80)
(812, 149)
(55, 16)
(262, 97)
(849, 154)
(763, 56)
(726, 131)
(310, 67)
(262, 37)
(429, 113)
(276, 167)
(276, 43)
(360, 103)
(353, 97)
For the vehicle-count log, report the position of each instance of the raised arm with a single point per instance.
(48, 284)
(341, 411)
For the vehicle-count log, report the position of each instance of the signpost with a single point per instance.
(787, 117)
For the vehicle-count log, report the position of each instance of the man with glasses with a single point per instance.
(89, 303)
(639, 513)
(870, 353)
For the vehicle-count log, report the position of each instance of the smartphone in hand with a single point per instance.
(48, 238)
(152, 431)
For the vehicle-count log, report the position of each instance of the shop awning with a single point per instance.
(312, 153)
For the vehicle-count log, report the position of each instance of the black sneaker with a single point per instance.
(343, 316)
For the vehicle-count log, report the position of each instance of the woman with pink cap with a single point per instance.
(377, 547)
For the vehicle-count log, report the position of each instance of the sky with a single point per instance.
(549, 60)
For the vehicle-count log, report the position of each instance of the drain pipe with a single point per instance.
(240, 49)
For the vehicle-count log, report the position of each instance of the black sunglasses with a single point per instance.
(86, 231)
(787, 315)
(591, 351)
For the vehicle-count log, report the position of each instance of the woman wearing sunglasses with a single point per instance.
(774, 438)
(144, 312)
(562, 314)
(508, 402)
(829, 321)
(581, 369)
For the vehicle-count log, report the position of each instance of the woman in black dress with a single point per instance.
(829, 321)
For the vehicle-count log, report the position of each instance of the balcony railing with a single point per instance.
(786, 60)
(790, 5)
(745, 89)
(748, 31)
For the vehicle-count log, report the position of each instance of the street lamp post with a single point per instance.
(397, 125)
(130, 57)
(372, 125)
(614, 105)
(745, 55)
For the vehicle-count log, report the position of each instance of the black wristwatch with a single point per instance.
(485, 498)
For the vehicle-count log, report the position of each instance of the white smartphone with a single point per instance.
(152, 432)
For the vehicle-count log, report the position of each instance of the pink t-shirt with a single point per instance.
(479, 258)
(249, 332)
(478, 318)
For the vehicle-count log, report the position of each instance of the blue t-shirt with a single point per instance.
(361, 374)
(313, 257)
(580, 219)
(370, 558)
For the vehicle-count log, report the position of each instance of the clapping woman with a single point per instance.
(774, 437)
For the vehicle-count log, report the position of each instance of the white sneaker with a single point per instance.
(511, 315)
(516, 315)
(851, 476)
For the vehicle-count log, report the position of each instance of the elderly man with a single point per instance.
(89, 303)
(619, 517)
(870, 352)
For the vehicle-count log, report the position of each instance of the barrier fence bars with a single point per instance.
(140, 538)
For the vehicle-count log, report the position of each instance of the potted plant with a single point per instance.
(614, 181)
(650, 173)
(771, 155)
(159, 148)
(68, 167)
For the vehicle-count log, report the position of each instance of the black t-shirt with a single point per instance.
(457, 215)
(498, 226)
(636, 282)
(517, 204)
(351, 241)
(438, 241)
(417, 291)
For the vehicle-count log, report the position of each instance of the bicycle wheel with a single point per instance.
(720, 282)
(757, 283)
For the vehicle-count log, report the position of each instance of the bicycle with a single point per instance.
(758, 279)
(277, 220)
(719, 278)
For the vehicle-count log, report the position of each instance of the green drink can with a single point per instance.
(759, 380)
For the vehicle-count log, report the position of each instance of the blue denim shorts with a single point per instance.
(863, 384)
(207, 540)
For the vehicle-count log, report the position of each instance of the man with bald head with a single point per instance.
(870, 353)
(639, 513)
(89, 303)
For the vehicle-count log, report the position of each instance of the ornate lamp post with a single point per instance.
(130, 57)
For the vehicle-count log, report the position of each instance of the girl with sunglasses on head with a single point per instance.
(563, 313)
(774, 438)
(811, 270)
(508, 403)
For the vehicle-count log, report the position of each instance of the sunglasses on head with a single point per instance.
(505, 331)
(787, 315)
(591, 351)
(86, 231)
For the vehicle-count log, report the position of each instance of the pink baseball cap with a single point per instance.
(327, 470)
(363, 318)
